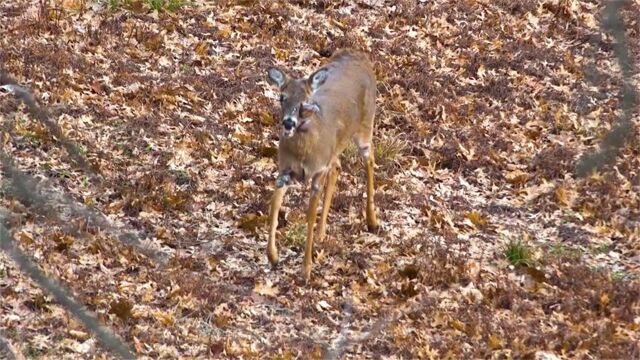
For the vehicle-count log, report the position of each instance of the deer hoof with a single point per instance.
(373, 227)
(306, 274)
(272, 255)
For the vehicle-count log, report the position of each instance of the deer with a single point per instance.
(321, 115)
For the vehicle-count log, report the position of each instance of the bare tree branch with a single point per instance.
(388, 318)
(616, 138)
(8, 84)
(7, 350)
(55, 205)
(343, 336)
(62, 296)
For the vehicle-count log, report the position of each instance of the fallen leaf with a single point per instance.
(164, 318)
(121, 308)
(477, 219)
(266, 289)
(251, 222)
(517, 177)
(494, 342)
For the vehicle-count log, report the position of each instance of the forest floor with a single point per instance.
(489, 246)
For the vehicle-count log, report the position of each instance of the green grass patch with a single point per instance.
(113, 5)
(116, 5)
(32, 352)
(154, 5)
(519, 253)
(295, 236)
(165, 5)
(32, 138)
(563, 250)
(602, 249)
(84, 182)
(617, 275)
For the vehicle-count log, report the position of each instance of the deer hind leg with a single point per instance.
(312, 214)
(364, 146)
(372, 221)
(276, 202)
(330, 187)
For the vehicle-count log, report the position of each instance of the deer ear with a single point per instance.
(318, 78)
(276, 77)
(308, 109)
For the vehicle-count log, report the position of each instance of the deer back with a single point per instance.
(347, 97)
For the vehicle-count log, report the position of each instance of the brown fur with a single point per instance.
(348, 94)
(346, 100)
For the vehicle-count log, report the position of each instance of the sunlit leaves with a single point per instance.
(482, 110)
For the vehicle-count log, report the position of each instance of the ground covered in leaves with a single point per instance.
(490, 246)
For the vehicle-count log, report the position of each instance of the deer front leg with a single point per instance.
(311, 221)
(326, 204)
(276, 202)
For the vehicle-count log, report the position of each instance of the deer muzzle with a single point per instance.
(289, 125)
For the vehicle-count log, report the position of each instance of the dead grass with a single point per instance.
(295, 235)
(388, 150)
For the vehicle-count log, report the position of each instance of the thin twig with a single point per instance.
(7, 350)
(62, 296)
(343, 336)
(382, 323)
(9, 84)
(49, 204)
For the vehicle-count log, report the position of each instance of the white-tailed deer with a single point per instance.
(321, 114)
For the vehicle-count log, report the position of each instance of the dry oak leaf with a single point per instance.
(164, 317)
(121, 308)
(251, 222)
(563, 195)
(78, 347)
(476, 218)
(494, 342)
(517, 177)
(266, 289)
(458, 325)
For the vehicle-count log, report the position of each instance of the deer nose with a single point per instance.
(288, 123)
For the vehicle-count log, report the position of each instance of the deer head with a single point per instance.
(296, 101)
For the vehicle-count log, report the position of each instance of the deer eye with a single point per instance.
(282, 98)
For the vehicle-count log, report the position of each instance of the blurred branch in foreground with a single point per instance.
(341, 340)
(108, 340)
(8, 84)
(55, 205)
(344, 343)
(621, 132)
(7, 350)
